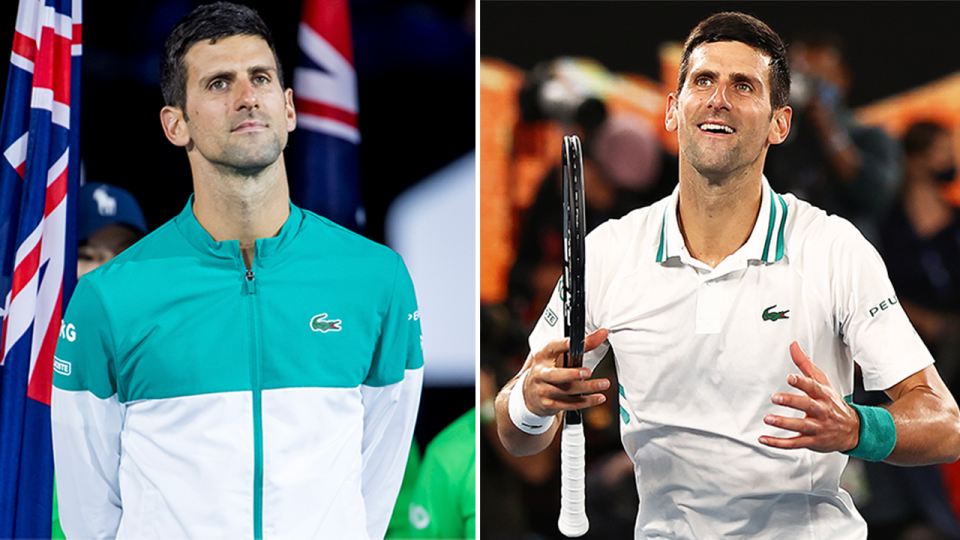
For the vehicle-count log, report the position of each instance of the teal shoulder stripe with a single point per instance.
(773, 216)
(623, 412)
(663, 239)
(783, 222)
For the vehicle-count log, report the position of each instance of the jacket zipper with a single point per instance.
(255, 370)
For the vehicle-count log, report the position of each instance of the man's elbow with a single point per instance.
(951, 437)
(944, 445)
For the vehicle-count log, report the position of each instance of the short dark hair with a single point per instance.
(733, 26)
(920, 136)
(207, 22)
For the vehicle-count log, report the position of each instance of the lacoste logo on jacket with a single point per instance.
(319, 323)
(774, 315)
(62, 366)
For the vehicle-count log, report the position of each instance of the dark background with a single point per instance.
(415, 63)
(891, 46)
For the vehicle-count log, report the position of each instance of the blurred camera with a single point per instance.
(805, 87)
(549, 93)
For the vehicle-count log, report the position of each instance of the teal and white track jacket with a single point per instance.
(195, 399)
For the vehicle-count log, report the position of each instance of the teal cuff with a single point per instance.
(878, 433)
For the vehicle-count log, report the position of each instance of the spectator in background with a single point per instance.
(625, 167)
(829, 160)
(921, 243)
(444, 499)
(110, 221)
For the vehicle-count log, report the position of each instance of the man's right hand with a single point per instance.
(549, 389)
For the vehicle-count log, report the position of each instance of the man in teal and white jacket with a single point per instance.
(250, 369)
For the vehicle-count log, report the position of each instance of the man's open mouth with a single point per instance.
(716, 128)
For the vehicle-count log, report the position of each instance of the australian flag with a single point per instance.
(39, 137)
(324, 161)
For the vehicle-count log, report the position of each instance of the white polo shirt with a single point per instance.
(700, 351)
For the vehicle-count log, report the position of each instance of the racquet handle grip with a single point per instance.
(573, 515)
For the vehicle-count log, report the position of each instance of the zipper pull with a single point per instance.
(251, 283)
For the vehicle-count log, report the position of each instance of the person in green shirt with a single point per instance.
(444, 499)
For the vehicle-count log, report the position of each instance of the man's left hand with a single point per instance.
(830, 424)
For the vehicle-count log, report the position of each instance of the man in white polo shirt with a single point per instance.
(735, 316)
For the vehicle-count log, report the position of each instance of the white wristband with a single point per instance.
(521, 416)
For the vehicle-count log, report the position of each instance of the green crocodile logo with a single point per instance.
(774, 315)
(319, 323)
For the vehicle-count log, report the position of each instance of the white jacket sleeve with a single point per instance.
(391, 399)
(86, 419)
(388, 420)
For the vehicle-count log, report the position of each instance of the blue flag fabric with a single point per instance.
(39, 137)
(323, 154)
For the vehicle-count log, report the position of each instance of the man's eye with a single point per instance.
(703, 81)
(218, 85)
(261, 79)
(744, 87)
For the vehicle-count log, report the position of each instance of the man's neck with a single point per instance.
(244, 208)
(716, 218)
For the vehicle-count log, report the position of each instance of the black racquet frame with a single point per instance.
(574, 225)
(573, 519)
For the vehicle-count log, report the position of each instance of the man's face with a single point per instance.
(723, 115)
(103, 245)
(824, 63)
(239, 115)
(940, 156)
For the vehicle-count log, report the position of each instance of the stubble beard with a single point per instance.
(719, 166)
(250, 159)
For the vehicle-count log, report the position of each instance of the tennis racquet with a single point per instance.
(573, 517)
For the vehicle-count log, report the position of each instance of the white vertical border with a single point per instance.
(476, 261)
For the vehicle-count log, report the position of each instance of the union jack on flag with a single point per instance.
(324, 155)
(39, 137)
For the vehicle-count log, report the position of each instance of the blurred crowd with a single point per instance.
(892, 187)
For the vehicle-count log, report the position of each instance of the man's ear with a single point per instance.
(174, 126)
(291, 112)
(670, 119)
(780, 125)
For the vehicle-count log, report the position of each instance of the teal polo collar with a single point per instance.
(766, 242)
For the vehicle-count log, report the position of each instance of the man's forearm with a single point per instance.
(515, 441)
(927, 421)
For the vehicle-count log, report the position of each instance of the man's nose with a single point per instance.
(247, 97)
(719, 98)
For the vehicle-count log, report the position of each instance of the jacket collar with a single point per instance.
(200, 239)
